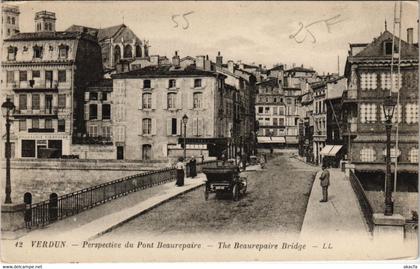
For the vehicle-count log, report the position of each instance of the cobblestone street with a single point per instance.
(275, 202)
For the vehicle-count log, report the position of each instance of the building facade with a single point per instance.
(369, 82)
(44, 73)
(148, 106)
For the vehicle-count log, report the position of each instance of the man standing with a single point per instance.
(325, 182)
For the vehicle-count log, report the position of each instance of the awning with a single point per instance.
(274, 139)
(330, 150)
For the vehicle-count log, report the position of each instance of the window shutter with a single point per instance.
(141, 127)
(194, 127)
(179, 100)
(153, 126)
(200, 127)
(86, 112)
(169, 126)
(154, 95)
(208, 127)
(189, 100)
(178, 126)
(141, 101)
(165, 101)
(86, 96)
(164, 150)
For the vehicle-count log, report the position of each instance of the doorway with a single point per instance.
(120, 153)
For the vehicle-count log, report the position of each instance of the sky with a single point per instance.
(314, 34)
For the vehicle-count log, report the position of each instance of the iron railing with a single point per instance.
(363, 200)
(60, 207)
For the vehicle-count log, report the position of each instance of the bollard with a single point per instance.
(53, 207)
(27, 199)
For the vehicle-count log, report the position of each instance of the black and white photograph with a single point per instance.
(209, 131)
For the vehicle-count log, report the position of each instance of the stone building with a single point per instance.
(117, 43)
(148, 106)
(9, 20)
(368, 69)
(44, 73)
(319, 119)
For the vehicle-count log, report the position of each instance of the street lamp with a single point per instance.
(184, 121)
(6, 109)
(389, 106)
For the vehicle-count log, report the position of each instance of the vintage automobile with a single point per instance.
(224, 178)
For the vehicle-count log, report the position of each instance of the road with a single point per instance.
(276, 200)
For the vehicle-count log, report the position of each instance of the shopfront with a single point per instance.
(44, 146)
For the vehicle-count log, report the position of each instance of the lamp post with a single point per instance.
(389, 106)
(184, 121)
(6, 109)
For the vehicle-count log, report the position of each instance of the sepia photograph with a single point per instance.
(209, 131)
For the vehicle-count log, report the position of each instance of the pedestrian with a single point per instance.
(325, 182)
(224, 157)
(193, 167)
(179, 166)
(262, 161)
(202, 158)
(244, 160)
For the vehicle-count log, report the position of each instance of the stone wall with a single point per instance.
(42, 177)
(404, 202)
(97, 152)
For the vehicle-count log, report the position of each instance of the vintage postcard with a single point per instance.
(220, 131)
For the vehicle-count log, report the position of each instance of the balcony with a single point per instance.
(52, 112)
(97, 140)
(35, 85)
(41, 130)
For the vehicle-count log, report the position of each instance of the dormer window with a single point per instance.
(388, 48)
(11, 53)
(63, 51)
(37, 52)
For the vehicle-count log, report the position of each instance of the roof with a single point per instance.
(375, 48)
(300, 69)
(47, 36)
(101, 83)
(101, 34)
(164, 71)
(269, 82)
(278, 67)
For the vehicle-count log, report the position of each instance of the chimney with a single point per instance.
(199, 62)
(207, 64)
(410, 36)
(231, 66)
(175, 60)
(154, 60)
(219, 59)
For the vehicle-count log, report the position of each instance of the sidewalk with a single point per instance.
(340, 216)
(103, 218)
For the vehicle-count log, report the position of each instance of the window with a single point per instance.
(61, 75)
(267, 110)
(197, 83)
(35, 101)
(172, 83)
(275, 122)
(171, 100)
(93, 131)
(8, 19)
(63, 51)
(260, 109)
(386, 81)
(367, 113)
(8, 32)
(197, 100)
(93, 111)
(35, 123)
(368, 81)
(147, 100)
(28, 148)
(10, 76)
(388, 48)
(104, 96)
(36, 74)
(411, 113)
(281, 111)
(146, 152)
(22, 102)
(138, 51)
(11, 53)
(281, 121)
(147, 126)
(93, 96)
(367, 155)
(106, 111)
(146, 84)
(13, 20)
(23, 76)
(61, 101)
(48, 124)
(128, 51)
(106, 131)
(61, 125)
(22, 125)
(174, 126)
(288, 101)
(275, 100)
(413, 155)
(38, 26)
(37, 52)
